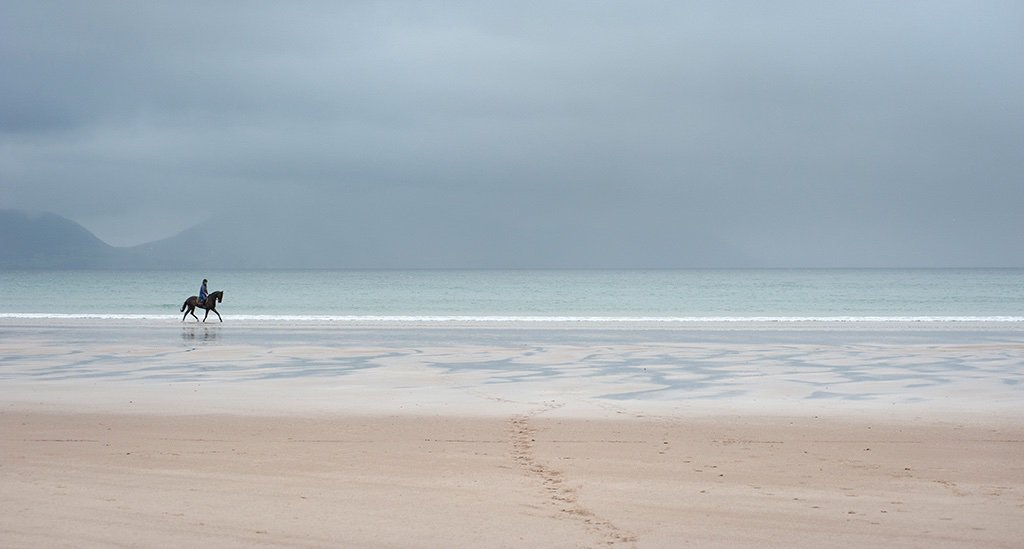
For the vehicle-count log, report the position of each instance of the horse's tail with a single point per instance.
(183, 305)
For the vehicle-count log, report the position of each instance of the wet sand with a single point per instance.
(443, 368)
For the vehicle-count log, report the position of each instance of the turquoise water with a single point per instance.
(985, 294)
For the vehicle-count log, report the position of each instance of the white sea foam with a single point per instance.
(84, 316)
(470, 319)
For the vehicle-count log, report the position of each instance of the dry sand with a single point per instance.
(533, 479)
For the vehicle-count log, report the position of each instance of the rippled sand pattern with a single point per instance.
(431, 367)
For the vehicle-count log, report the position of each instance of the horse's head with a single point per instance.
(220, 295)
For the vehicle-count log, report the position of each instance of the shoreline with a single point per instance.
(753, 322)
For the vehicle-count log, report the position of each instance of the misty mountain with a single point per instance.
(39, 240)
(371, 239)
(42, 240)
(365, 240)
(234, 244)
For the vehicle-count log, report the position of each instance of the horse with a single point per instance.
(211, 305)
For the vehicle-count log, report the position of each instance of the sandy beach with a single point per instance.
(74, 480)
(512, 275)
(240, 436)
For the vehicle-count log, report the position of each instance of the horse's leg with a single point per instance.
(192, 311)
(216, 313)
(206, 315)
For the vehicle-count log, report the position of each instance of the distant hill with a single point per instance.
(39, 240)
(47, 241)
(207, 245)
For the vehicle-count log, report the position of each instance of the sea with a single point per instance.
(526, 296)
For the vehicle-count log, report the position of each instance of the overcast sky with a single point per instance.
(556, 133)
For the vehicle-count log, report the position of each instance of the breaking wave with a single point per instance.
(518, 319)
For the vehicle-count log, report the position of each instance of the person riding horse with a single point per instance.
(210, 304)
(203, 294)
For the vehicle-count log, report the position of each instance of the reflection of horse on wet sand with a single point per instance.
(210, 305)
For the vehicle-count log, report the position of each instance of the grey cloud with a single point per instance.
(793, 133)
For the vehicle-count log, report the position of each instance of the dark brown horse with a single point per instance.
(211, 305)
